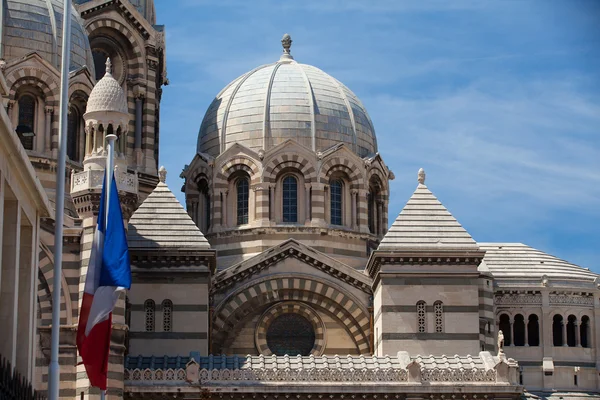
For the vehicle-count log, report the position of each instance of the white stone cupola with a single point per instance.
(106, 113)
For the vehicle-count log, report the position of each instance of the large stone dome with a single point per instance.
(283, 100)
(36, 25)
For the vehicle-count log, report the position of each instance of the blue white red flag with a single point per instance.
(108, 273)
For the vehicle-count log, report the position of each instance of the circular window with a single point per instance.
(292, 328)
(291, 334)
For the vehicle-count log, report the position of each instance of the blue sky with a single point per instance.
(499, 101)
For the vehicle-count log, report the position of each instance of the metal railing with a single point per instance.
(14, 386)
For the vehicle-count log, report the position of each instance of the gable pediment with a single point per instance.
(296, 250)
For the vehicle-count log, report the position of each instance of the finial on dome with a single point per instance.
(421, 175)
(286, 42)
(108, 66)
(162, 174)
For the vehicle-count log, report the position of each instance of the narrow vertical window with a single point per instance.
(571, 331)
(336, 202)
(149, 308)
(519, 330)
(421, 320)
(438, 310)
(242, 188)
(26, 121)
(504, 326)
(371, 212)
(290, 199)
(557, 330)
(584, 329)
(533, 330)
(72, 132)
(167, 306)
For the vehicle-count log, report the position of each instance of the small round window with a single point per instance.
(291, 334)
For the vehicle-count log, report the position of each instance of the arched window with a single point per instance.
(519, 330)
(72, 134)
(100, 57)
(203, 210)
(167, 306)
(584, 331)
(242, 188)
(421, 317)
(26, 124)
(290, 199)
(374, 208)
(438, 311)
(533, 330)
(336, 191)
(571, 331)
(557, 332)
(504, 326)
(149, 308)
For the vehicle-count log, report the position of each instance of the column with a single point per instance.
(512, 333)
(10, 279)
(2, 189)
(577, 335)
(88, 142)
(48, 128)
(139, 98)
(81, 139)
(261, 205)
(379, 218)
(224, 209)
(526, 332)
(10, 108)
(307, 210)
(564, 333)
(25, 286)
(272, 202)
(353, 196)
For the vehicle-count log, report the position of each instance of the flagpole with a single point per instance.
(110, 168)
(54, 370)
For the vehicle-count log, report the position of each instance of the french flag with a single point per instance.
(108, 274)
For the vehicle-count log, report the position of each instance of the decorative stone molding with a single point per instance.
(571, 299)
(518, 298)
(446, 375)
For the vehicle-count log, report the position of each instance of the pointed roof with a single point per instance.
(425, 224)
(298, 250)
(161, 223)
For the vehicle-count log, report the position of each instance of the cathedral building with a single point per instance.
(281, 276)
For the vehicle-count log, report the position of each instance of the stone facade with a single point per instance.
(280, 278)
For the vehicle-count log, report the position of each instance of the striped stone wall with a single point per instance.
(487, 314)
(236, 311)
(399, 324)
(350, 242)
(188, 328)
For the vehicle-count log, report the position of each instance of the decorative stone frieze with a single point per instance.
(571, 299)
(518, 298)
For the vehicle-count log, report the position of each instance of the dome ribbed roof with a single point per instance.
(107, 95)
(284, 100)
(36, 25)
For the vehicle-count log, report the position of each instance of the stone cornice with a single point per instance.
(126, 10)
(421, 257)
(296, 250)
(168, 260)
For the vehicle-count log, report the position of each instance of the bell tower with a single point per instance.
(106, 114)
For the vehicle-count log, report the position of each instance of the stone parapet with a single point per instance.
(402, 373)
